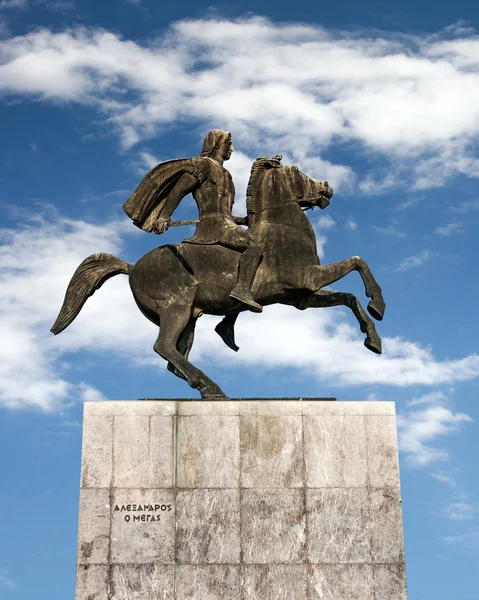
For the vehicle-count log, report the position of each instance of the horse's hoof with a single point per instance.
(212, 392)
(226, 333)
(374, 344)
(376, 308)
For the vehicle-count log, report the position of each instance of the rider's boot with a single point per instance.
(248, 265)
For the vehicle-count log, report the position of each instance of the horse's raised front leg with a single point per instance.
(174, 320)
(318, 277)
(226, 330)
(326, 298)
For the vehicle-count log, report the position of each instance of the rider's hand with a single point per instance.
(161, 226)
(240, 220)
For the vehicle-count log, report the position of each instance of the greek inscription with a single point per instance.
(143, 507)
(152, 512)
(143, 518)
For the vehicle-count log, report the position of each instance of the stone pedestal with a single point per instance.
(240, 500)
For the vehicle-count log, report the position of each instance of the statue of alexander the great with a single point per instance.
(223, 269)
(162, 189)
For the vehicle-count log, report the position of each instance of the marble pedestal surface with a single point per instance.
(240, 500)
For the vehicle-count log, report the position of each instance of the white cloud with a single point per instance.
(339, 176)
(324, 222)
(7, 4)
(239, 165)
(375, 184)
(466, 206)
(417, 260)
(59, 5)
(36, 263)
(320, 243)
(469, 540)
(459, 509)
(436, 397)
(455, 158)
(444, 478)
(460, 27)
(449, 229)
(146, 163)
(90, 394)
(276, 86)
(420, 428)
(390, 230)
(121, 193)
(320, 224)
(407, 203)
(351, 224)
(331, 348)
(129, 137)
(5, 580)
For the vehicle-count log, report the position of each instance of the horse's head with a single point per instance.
(308, 192)
(272, 184)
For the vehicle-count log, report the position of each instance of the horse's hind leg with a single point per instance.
(325, 298)
(184, 344)
(174, 320)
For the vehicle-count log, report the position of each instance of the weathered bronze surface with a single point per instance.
(224, 269)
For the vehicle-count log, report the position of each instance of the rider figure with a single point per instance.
(213, 190)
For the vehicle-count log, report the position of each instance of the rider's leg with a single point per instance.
(248, 266)
(241, 240)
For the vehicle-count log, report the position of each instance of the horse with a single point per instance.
(173, 285)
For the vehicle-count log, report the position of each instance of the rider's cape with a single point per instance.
(145, 204)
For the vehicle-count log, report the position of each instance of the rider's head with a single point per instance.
(217, 142)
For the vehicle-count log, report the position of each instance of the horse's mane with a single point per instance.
(260, 165)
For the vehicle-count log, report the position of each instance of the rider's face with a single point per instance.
(227, 149)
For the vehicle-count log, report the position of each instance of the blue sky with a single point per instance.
(381, 99)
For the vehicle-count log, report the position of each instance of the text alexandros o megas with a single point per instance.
(150, 512)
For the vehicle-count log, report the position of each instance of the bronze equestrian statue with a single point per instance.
(224, 269)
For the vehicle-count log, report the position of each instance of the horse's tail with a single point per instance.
(89, 277)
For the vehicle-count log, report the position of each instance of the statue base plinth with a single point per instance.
(264, 499)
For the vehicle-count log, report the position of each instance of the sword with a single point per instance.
(237, 220)
(170, 223)
(185, 222)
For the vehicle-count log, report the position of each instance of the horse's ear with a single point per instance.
(269, 163)
(275, 162)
